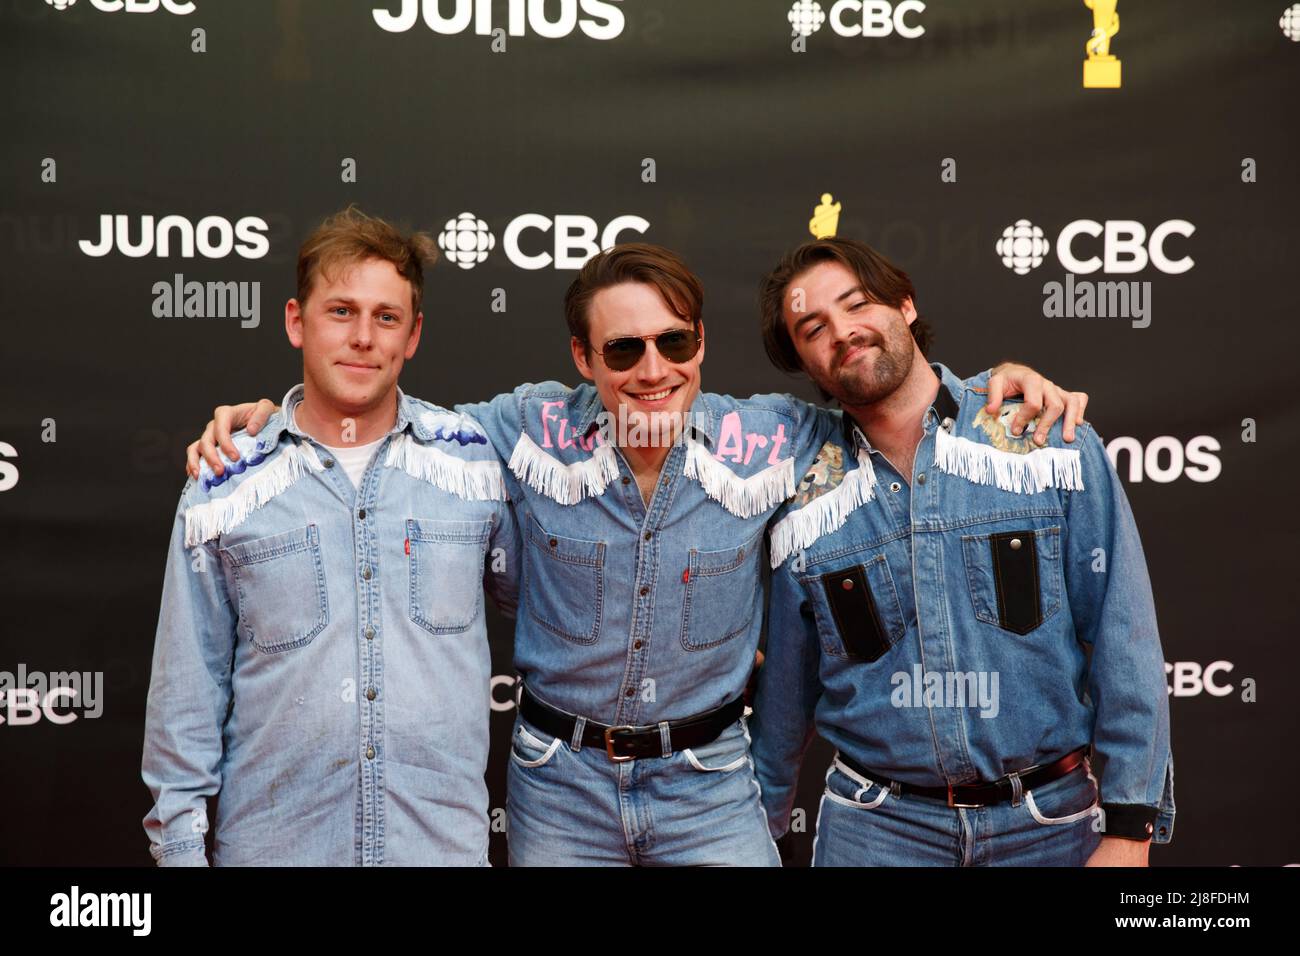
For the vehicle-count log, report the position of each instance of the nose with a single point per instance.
(651, 367)
(361, 337)
(841, 328)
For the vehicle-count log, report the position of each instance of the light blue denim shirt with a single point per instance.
(1013, 574)
(634, 614)
(321, 659)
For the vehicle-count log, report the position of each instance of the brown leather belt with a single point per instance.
(977, 794)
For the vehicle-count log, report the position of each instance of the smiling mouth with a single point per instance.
(653, 397)
(360, 368)
(854, 353)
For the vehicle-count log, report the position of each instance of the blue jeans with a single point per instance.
(576, 807)
(859, 823)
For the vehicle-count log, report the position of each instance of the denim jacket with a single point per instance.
(321, 660)
(634, 614)
(991, 614)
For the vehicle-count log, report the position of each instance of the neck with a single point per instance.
(333, 424)
(895, 423)
(645, 459)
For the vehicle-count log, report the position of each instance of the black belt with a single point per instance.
(626, 742)
(977, 794)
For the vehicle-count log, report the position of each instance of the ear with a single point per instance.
(414, 340)
(699, 356)
(908, 310)
(293, 320)
(580, 359)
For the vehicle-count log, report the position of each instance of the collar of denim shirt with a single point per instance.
(946, 403)
(285, 421)
(702, 417)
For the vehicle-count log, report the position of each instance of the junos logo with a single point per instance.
(8, 472)
(1167, 458)
(467, 240)
(858, 18)
(601, 20)
(213, 237)
(130, 6)
(1125, 246)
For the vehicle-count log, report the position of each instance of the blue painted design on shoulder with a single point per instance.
(250, 456)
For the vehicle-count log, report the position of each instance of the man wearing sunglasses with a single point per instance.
(937, 585)
(642, 503)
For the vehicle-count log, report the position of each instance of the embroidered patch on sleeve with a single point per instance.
(999, 430)
(825, 475)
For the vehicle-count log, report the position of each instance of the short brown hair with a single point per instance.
(352, 236)
(634, 262)
(881, 280)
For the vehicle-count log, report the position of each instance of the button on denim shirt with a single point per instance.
(939, 631)
(634, 614)
(321, 659)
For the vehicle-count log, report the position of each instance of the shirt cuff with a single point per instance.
(1132, 821)
(185, 853)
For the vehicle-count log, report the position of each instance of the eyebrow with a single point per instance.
(344, 300)
(847, 294)
(633, 335)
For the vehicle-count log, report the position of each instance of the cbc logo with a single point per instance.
(23, 706)
(1166, 458)
(1125, 246)
(1191, 680)
(858, 18)
(467, 240)
(602, 19)
(130, 6)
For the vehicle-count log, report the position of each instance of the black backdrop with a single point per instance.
(98, 394)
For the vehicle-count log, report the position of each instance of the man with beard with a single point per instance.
(938, 584)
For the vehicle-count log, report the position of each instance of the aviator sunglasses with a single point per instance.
(676, 345)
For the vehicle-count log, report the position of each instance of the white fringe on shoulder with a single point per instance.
(204, 522)
(1026, 474)
(567, 484)
(824, 515)
(471, 480)
(743, 497)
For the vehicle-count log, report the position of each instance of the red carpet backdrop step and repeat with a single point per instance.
(1114, 203)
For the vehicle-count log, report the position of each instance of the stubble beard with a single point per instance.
(866, 386)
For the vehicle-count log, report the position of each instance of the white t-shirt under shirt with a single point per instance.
(355, 458)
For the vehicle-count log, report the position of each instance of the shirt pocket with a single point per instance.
(446, 568)
(1014, 577)
(280, 588)
(565, 584)
(857, 610)
(720, 590)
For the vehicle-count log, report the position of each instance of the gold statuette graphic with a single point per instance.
(826, 218)
(1101, 69)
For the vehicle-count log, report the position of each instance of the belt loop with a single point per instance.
(1017, 788)
(895, 788)
(665, 739)
(579, 727)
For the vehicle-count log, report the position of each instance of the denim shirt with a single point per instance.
(1012, 574)
(321, 659)
(634, 614)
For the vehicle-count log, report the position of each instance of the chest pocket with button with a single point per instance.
(280, 587)
(857, 610)
(564, 581)
(721, 589)
(1014, 576)
(446, 572)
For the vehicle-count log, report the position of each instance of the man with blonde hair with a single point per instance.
(321, 663)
